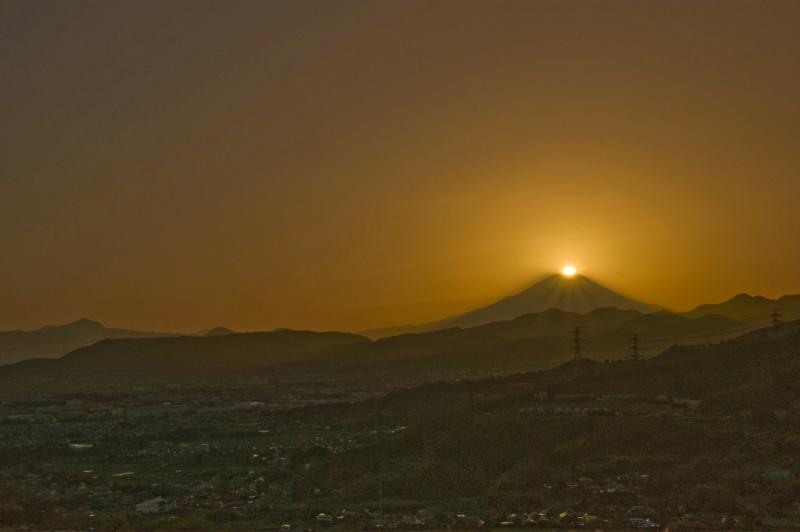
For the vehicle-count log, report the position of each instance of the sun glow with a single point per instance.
(569, 271)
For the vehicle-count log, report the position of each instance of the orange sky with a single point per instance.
(349, 165)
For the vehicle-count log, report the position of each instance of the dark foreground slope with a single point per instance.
(504, 443)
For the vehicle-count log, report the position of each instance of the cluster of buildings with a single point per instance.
(166, 449)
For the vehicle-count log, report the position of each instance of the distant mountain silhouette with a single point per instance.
(665, 323)
(186, 355)
(542, 339)
(219, 331)
(555, 322)
(572, 294)
(465, 342)
(530, 341)
(660, 330)
(744, 307)
(54, 341)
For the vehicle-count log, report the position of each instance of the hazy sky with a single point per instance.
(348, 165)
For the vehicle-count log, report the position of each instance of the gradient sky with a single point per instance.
(348, 165)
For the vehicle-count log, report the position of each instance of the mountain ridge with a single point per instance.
(53, 341)
(185, 355)
(572, 294)
(528, 341)
(744, 307)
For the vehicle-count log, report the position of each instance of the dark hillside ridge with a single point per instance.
(744, 307)
(666, 323)
(54, 341)
(465, 342)
(185, 354)
(722, 373)
(555, 322)
(531, 341)
(577, 294)
(231, 350)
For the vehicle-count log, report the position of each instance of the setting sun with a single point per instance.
(569, 271)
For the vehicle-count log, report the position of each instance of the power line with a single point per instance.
(746, 329)
(721, 329)
(602, 345)
(611, 337)
(666, 337)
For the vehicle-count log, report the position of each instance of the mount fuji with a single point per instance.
(568, 293)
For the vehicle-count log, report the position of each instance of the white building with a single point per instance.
(156, 505)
